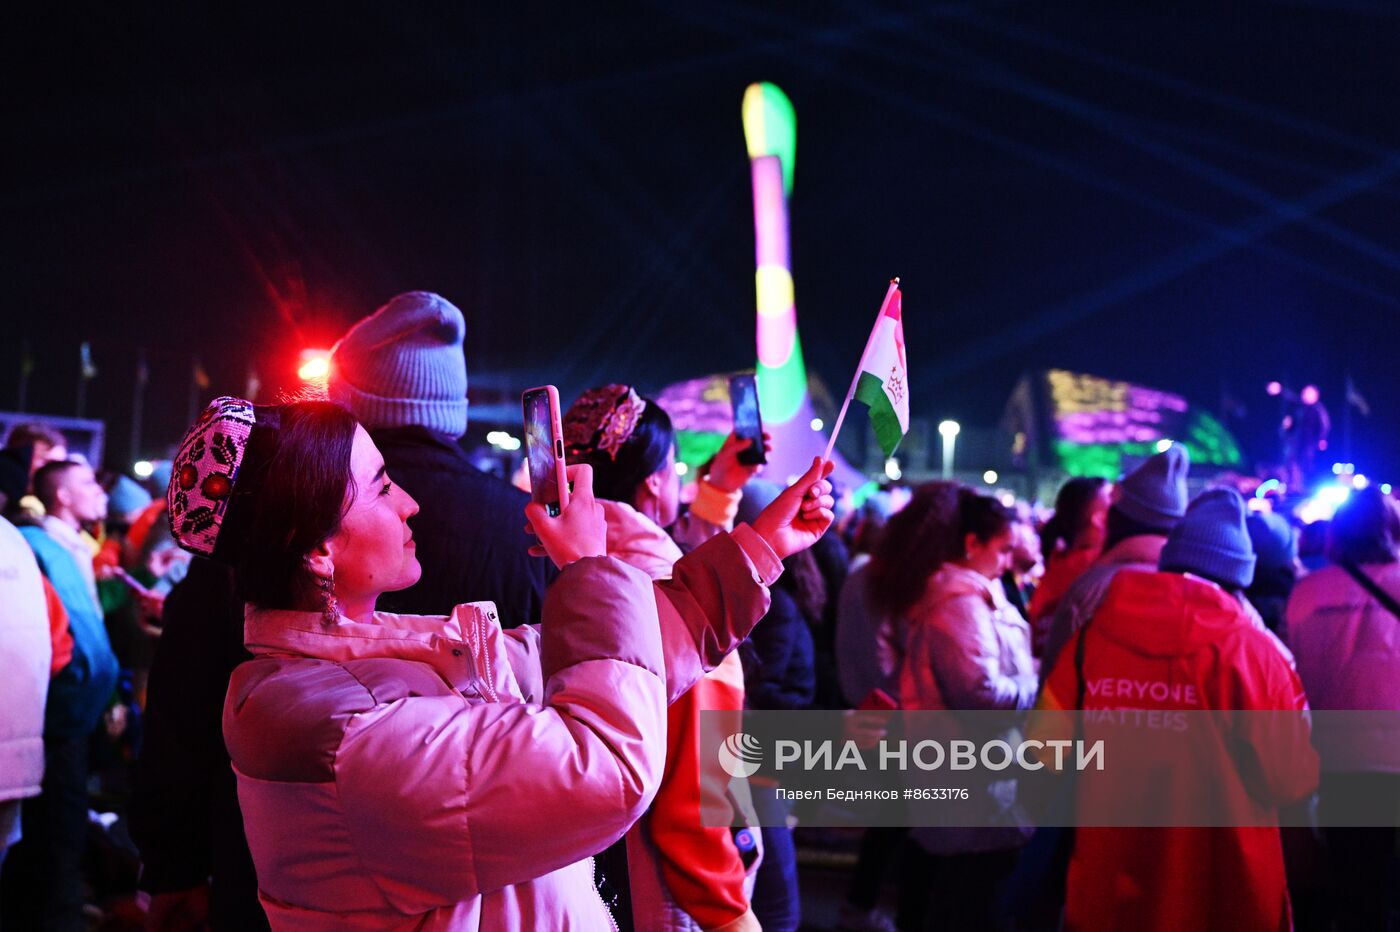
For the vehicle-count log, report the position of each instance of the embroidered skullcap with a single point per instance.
(602, 419)
(204, 474)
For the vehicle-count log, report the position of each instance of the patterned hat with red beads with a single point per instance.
(204, 472)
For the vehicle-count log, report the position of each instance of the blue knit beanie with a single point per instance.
(1211, 541)
(1275, 543)
(403, 365)
(1154, 494)
(126, 498)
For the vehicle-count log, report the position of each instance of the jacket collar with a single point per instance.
(954, 580)
(466, 648)
(63, 532)
(416, 435)
(1140, 548)
(639, 541)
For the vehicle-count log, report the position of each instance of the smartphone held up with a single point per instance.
(748, 423)
(544, 448)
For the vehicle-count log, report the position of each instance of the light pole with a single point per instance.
(949, 431)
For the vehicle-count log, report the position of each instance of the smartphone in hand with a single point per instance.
(748, 423)
(544, 448)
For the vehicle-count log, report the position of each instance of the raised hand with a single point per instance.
(801, 514)
(726, 472)
(579, 531)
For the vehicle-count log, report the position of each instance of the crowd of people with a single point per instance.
(332, 675)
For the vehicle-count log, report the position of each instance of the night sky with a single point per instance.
(1200, 197)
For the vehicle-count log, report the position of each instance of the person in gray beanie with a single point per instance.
(403, 365)
(401, 371)
(1146, 505)
(1211, 541)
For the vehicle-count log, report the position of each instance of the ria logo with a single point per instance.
(740, 755)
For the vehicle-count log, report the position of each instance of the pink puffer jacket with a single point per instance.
(433, 773)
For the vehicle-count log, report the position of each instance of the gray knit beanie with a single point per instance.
(1154, 494)
(1211, 541)
(403, 365)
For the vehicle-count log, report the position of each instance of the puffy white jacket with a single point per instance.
(24, 667)
(436, 773)
(967, 648)
(1347, 649)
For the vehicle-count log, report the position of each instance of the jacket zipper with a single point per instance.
(483, 663)
(593, 872)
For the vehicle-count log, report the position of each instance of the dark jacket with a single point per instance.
(469, 528)
(778, 657)
(185, 817)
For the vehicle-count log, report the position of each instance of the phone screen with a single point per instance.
(542, 449)
(748, 424)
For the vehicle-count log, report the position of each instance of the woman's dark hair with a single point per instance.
(35, 433)
(289, 498)
(1071, 515)
(869, 527)
(1365, 529)
(641, 455)
(928, 532)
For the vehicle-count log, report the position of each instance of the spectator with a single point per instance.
(1027, 565)
(1147, 503)
(680, 874)
(780, 674)
(1276, 546)
(402, 373)
(72, 498)
(1343, 627)
(25, 656)
(1186, 627)
(1072, 539)
(382, 760)
(185, 816)
(965, 647)
(42, 884)
(46, 444)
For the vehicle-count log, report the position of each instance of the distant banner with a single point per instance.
(1017, 771)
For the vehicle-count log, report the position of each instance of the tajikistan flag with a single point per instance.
(883, 382)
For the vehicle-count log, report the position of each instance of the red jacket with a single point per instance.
(1165, 642)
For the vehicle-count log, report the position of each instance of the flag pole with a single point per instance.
(138, 402)
(855, 379)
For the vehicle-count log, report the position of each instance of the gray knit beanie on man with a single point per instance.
(1154, 494)
(1211, 541)
(403, 365)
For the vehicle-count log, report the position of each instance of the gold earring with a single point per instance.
(330, 607)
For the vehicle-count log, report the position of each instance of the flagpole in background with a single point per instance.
(86, 373)
(1354, 400)
(855, 379)
(138, 399)
(199, 380)
(1346, 423)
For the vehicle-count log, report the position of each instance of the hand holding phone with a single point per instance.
(544, 449)
(579, 531)
(728, 471)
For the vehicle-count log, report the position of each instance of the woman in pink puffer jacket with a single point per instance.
(435, 772)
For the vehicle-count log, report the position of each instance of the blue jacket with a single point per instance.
(79, 693)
